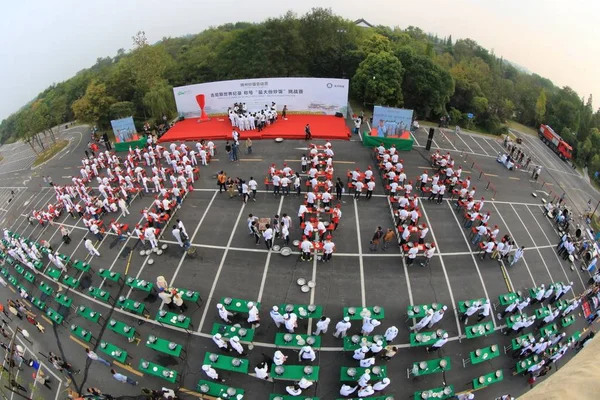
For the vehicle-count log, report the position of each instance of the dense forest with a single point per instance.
(388, 66)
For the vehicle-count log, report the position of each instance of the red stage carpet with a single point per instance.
(405, 134)
(321, 126)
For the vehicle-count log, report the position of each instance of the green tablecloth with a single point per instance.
(130, 305)
(533, 290)
(238, 305)
(111, 276)
(99, 294)
(54, 316)
(47, 290)
(420, 368)
(524, 365)
(344, 377)
(225, 363)
(542, 312)
(428, 338)
(120, 328)
(296, 340)
(517, 342)
(70, 281)
(216, 390)
(318, 313)
(561, 304)
(29, 277)
(189, 295)
(157, 370)
(19, 268)
(229, 331)
(513, 319)
(4, 272)
(66, 259)
(574, 337)
(81, 266)
(359, 310)
(436, 393)
(349, 344)
(568, 321)
(38, 303)
(463, 305)
(162, 345)
(113, 351)
(53, 272)
(81, 333)
(13, 280)
(484, 354)
(294, 373)
(63, 300)
(507, 298)
(478, 330)
(170, 318)
(549, 329)
(419, 310)
(488, 379)
(88, 314)
(139, 284)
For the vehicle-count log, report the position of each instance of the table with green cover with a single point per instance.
(63, 300)
(173, 319)
(110, 275)
(216, 389)
(4, 272)
(225, 363)
(420, 310)
(350, 345)
(301, 310)
(523, 365)
(189, 295)
(19, 268)
(359, 310)
(441, 393)
(561, 304)
(296, 340)
(513, 319)
(487, 379)
(567, 321)
(478, 330)
(81, 333)
(484, 354)
(542, 312)
(426, 338)
(66, 259)
(81, 266)
(507, 298)
(29, 277)
(130, 305)
(548, 330)
(532, 291)
(574, 337)
(294, 373)
(229, 331)
(163, 346)
(10, 260)
(420, 368)
(344, 377)
(121, 328)
(463, 305)
(517, 342)
(70, 281)
(53, 272)
(46, 289)
(113, 351)
(88, 314)
(54, 316)
(159, 371)
(237, 305)
(37, 302)
(139, 284)
(13, 281)
(99, 294)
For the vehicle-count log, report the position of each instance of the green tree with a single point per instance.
(378, 80)
(159, 101)
(540, 107)
(149, 63)
(121, 109)
(94, 106)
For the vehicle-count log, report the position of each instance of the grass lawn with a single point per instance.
(522, 128)
(50, 152)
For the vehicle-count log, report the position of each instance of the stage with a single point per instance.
(219, 128)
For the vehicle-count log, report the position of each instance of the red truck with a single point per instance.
(555, 142)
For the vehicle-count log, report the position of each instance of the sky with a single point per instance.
(48, 42)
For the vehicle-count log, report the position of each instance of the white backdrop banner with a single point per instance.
(301, 95)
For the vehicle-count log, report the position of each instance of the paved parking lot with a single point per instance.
(228, 263)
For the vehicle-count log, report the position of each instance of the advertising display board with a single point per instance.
(391, 122)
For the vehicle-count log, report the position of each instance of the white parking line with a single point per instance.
(360, 257)
(268, 260)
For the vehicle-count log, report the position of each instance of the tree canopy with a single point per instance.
(386, 65)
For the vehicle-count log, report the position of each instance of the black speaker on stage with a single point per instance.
(429, 139)
(339, 115)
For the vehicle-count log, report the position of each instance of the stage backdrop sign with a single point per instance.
(391, 121)
(301, 95)
(124, 129)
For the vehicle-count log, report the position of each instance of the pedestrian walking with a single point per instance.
(94, 357)
(221, 179)
(276, 316)
(122, 378)
(42, 379)
(307, 132)
(517, 256)
(387, 239)
(342, 327)
(377, 236)
(90, 247)
(322, 325)
(439, 343)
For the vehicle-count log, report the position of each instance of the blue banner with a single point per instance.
(391, 121)
(124, 129)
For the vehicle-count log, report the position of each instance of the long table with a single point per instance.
(70, 281)
(139, 284)
(426, 338)
(294, 373)
(487, 379)
(542, 312)
(131, 306)
(297, 340)
(513, 319)
(113, 351)
(420, 310)
(463, 305)
(46, 289)
(344, 377)
(420, 368)
(443, 392)
(88, 314)
(173, 319)
(567, 321)
(484, 354)
(99, 294)
(189, 295)
(229, 331)
(38, 303)
(359, 310)
(54, 316)
(81, 333)
(63, 300)
(238, 305)
(163, 346)
(523, 365)
(478, 330)
(159, 371)
(81, 266)
(217, 390)
(301, 310)
(225, 363)
(121, 328)
(350, 345)
(517, 342)
(110, 275)
(548, 330)
(507, 298)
